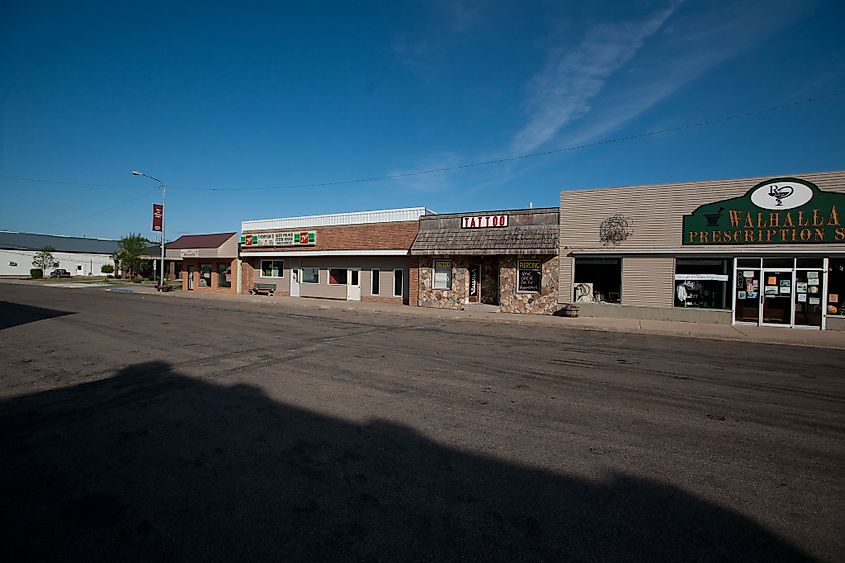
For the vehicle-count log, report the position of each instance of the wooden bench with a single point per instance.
(263, 288)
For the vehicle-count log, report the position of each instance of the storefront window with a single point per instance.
(836, 287)
(598, 280)
(442, 274)
(310, 274)
(205, 275)
(703, 283)
(337, 276)
(224, 275)
(529, 275)
(272, 268)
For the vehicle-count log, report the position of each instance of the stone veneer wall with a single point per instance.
(443, 298)
(511, 301)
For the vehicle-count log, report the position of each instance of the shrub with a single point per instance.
(137, 279)
(107, 269)
(36, 273)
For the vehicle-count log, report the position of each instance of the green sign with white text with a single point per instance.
(777, 211)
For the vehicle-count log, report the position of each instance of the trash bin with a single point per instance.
(570, 310)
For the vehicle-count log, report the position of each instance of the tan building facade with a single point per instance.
(359, 256)
(507, 259)
(764, 251)
(207, 262)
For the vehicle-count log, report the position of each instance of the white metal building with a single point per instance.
(79, 256)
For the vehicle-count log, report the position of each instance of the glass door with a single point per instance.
(777, 297)
(809, 293)
(747, 304)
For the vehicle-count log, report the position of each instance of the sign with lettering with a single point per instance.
(529, 275)
(158, 216)
(777, 211)
(484, 221)
(189, 252)
(284, 238)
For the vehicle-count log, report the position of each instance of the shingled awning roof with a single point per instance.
(530, 231)
(212, 240)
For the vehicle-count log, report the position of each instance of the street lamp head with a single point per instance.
(136, 173)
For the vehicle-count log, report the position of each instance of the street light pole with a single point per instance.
(163, 200)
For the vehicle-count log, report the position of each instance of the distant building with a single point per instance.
(78, 255)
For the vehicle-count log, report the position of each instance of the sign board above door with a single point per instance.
(484, 221)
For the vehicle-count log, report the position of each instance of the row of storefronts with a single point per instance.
(763, 251)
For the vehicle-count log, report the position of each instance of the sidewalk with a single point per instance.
(755, 334)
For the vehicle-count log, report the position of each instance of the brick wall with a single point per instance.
(414, 285)
(376, 236)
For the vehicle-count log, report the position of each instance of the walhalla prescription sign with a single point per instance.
(777, 211)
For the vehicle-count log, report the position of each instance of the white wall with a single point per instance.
(70, 261)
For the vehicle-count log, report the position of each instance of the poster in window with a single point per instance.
(529, 275)
(801, 287)
(771, 290)
(812, 276)
(833, 297)
(802, 297)
(772, 280)
(741, 294)
(813, 289)
(815, 301)
(748, 273)
(785, 289)
(752, 294)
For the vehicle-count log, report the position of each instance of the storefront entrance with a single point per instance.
(353, 284)
(780, 292)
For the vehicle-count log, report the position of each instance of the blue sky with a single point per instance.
(211, 95)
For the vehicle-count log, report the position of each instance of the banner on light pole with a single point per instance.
(158, 216)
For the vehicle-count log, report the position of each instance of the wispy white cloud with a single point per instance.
(689, 47)
(572, 77)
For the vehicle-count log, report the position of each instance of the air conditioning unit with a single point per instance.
(583, 292)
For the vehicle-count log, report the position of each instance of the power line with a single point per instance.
(102, 210)
(492, 162)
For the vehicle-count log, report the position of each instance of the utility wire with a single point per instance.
(106, 210)
(491, 162)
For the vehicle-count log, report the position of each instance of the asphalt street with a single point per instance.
(158, 428)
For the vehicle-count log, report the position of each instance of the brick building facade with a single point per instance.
(353, 256)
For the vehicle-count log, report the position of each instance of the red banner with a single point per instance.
(158, 216)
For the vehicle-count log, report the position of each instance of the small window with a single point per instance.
(442, 274)
(374, 290)
(815, 263)
(13, 264)
(272, 268)
(310, 274)
(337, 276)
(79, 268)
(598, 280)
(398, 283)
(529, 275)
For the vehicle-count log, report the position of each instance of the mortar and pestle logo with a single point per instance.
(713, 218)
(780, 193)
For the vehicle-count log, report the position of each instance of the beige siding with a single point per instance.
(657, 213)
(648, 281)
(565, 279)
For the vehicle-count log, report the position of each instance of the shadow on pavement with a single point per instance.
(14, 314)
(154, 466)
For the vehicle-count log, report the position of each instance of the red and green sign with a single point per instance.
(777, 211)
(284, 238)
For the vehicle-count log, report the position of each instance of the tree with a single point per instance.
(44, 260)
(129, 253)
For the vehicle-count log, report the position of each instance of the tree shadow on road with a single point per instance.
(151, 465)
(14, 314)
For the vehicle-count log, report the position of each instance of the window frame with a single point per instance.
(302, 274)
(402, 277)
(519, 278)
(271, 260)
(434, 275)
(375, 282)
(345, 276)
